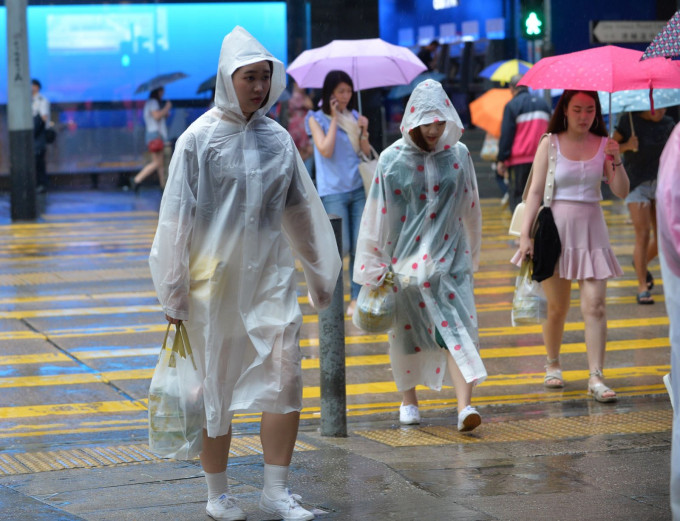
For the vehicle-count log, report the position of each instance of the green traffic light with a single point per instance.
(532, 24)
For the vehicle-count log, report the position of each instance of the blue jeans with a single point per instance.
(349, 206)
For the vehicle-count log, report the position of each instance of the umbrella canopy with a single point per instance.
(607, 68)
(207, 85)
(369, 62)
(486, 112)
(637, 100)
(504, 70)
(402, 91)
(160, 81)
(667, 42)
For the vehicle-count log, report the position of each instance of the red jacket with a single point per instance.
(525, 120)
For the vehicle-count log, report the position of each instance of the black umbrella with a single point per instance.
(160, 81)
(207, 85)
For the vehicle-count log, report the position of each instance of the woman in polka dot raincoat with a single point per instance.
(422, 221)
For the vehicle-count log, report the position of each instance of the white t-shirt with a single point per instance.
(152, 124)
(40, 106)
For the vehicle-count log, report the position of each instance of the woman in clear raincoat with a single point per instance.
(237, 199)
(668, 219)
(423, 221)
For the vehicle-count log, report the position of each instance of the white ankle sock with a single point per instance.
(217, 484)
(275, 481)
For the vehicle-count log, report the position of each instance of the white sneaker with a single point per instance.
(669, 387)
(505, 200)
(409, 414)
(224, 509)
(468, 419)
(288, 508)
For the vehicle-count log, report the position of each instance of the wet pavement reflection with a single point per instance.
(80, 330)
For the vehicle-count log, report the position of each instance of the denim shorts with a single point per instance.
(643, 193)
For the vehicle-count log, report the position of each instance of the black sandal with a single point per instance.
(644, 297)
(648, 278)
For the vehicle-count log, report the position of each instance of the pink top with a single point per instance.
(579, 180)
(668, 202)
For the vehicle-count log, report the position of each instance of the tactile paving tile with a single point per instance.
(527, 430)
(403, 437)
(88, 457)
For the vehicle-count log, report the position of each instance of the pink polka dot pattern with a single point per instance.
(407, 327)
(451, 296)
(438, 370)
(413, 109)
(384, 210)
(427, 284)
(417, 349)
(403, 218)
(397, 192)
(421, 168)
(457, 347)
(414, 265)
(445, 323)
(421, 304)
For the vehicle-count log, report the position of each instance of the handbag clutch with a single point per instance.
(367, 168)
(520, 210)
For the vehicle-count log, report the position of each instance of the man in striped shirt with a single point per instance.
(525, 119)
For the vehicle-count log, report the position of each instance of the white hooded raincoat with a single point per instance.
(237, 198)
(422, 220)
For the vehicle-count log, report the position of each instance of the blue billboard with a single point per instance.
(102, 53)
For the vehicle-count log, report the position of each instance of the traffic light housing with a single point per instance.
(532, 22)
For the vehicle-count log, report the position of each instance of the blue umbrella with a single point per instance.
(638, 100)
(401, 91)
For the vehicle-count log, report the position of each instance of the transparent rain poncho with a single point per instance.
(238, 198)
(423, 221)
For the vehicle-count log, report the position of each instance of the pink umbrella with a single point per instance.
(667, 42)
(607, 68)
(370, 63)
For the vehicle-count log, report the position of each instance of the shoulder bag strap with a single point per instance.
(551, 166)
(549, 189)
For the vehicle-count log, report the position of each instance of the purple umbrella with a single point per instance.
(667, 42)
(370, 63)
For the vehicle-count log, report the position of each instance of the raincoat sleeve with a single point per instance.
(668, 201)
(377, 234)
(310, 234)
(471, 213)
(169, 258)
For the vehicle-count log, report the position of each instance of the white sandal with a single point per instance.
(553, 374)
(598, 390)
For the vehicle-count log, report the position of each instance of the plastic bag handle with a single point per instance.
(181, 344)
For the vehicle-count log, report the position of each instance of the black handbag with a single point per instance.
(547, 245)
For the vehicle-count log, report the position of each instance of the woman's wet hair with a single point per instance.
(416, 135)
(558, 122)
(156, 94)
(330, 82)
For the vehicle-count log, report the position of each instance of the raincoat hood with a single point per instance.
(429, 104)
(240, 48)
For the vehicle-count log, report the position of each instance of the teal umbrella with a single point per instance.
(638, 100)
(402, 91)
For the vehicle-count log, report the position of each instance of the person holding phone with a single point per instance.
(340, 134)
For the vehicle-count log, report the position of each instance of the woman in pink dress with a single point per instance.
(583, 154)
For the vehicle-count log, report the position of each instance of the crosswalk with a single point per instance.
(80, 331)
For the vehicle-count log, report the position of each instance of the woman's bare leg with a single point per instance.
(463, 389)
(278, 433)
(558, 294)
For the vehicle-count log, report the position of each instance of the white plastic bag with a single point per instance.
(376, 307)
(529, 305)
(176, 412)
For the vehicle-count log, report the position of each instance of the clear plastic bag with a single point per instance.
(176, 412)
(529, 305)
(376, 307)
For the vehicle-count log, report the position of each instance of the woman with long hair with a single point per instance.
(340, 135)
(583, 154)
(155, 117)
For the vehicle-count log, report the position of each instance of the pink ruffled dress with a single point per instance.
(586, 252)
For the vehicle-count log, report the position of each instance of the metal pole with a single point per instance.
(332, 355)
(19, 114)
